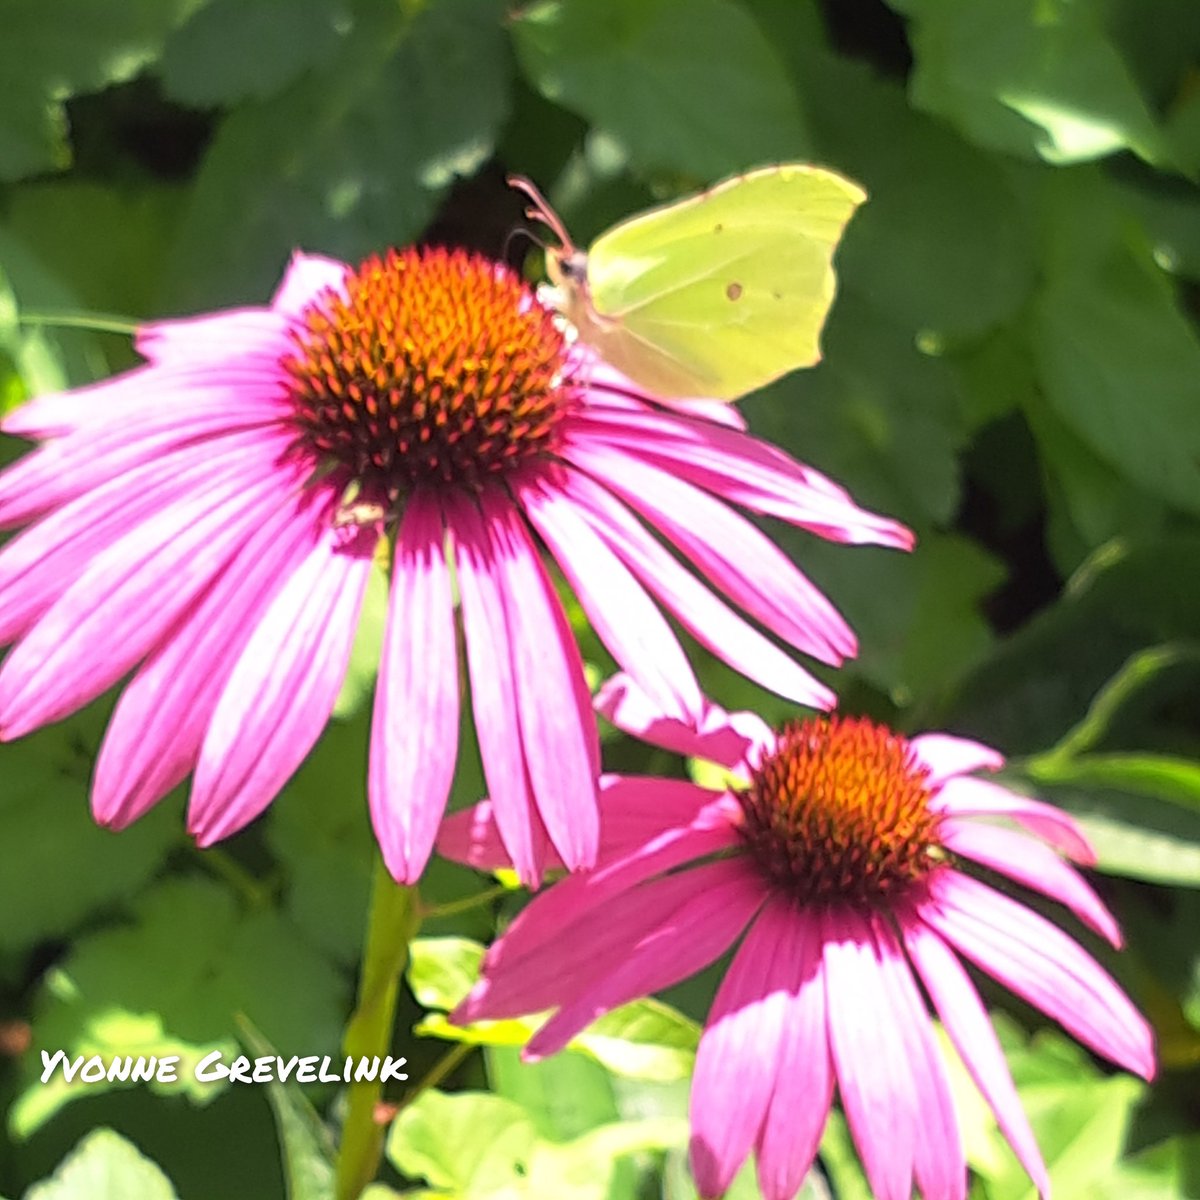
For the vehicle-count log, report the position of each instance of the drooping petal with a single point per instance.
(1034, 864)
(737, 1062)
(414, 732)
(43, 561)
(869, 1054)
(65, 469)
(129, 597)
(282, 690)
(745, 471)
(1042, 965)
(695, 934)
(947, 756)
(493, 692)
(625, 618)
(709, 620)
(558, 727)
(799, 1106)
(733, 554)
(966, 1021)
(966, 797)
(938, 1160)
(159, 723)
(729, 739)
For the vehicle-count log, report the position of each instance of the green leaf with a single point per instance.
(53, 54)
(216, 56)
(1037, 78)
(687, 86)
(308, 1149)
(104, 1166)
(1116, 357)
(474, 1145)
(350, 158)
(143, 989)
(44, 811)
(442, 970)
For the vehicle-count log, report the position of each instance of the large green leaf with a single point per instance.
(1031, 77)
(1117, 358)
(689, 86)
(50, 53)
(351, 157)
(105, 1166)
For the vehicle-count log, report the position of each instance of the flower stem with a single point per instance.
(391, 925)
(95, 322)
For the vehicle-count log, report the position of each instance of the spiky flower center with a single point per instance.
(839, 811)
(438, 367)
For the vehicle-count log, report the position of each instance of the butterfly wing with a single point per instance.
(721, 293)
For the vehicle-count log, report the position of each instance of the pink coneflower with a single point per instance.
(209, 520)
(840, 865)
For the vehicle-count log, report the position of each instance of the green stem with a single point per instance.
(96, 322)
(453, 907)
(391, 925)
(440, 1069)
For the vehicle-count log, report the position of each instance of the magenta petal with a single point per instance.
(799, 1106)
(947, 756)
(128, 597)
(254, 334)
(558, 727)
(870, 1056)
(690, 937)
(709, 620)
(625, 618)
(307, 278)
(1042, 965)
(162, 716)
(966, 797)
(733, 554)
(282, 690)
(729, 739)
(938, 1160)
(1034, 864)
(737, 1062)
(493, 691)
(414, 734)
(966, 1021)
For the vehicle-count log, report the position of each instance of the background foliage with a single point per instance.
(1012, 367)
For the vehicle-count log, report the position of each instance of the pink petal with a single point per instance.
(799, 1106)
(307, 278)
(493, 691)
(625, 618)
(713, 624)
(608, 387)
(939, 1163)
(947, 756)
(1042, 965)
(559, 957)
(1034, 864)
(127, 599)
(708, 832)
(737, 1062)
(558, 728)
(729, 739)
(744, 471)
(282, 690)
(37, 566)
(161, 718)
(963, 796)
(693, 935)
(414, 734)
(869, 1053)
(72, 466)
(733, 554)
(969, 1028)
(217, 339)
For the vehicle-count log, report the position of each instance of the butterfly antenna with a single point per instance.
(541, 211)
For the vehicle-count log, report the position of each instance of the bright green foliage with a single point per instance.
(1011, 366)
